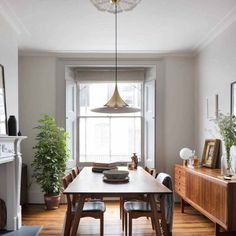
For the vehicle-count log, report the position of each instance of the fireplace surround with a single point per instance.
(10, 178)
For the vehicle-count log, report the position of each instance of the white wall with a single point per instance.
(9, 59)
(37, 96)
(42, 90)
(179, 108)
(215, 70)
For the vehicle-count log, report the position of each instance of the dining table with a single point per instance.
(140, 182)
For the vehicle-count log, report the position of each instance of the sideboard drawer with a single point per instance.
(180, 180)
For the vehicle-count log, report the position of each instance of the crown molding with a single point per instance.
(107, 54)
(219, 28)
(9, 15)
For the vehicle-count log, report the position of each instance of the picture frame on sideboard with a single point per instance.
(210, 153)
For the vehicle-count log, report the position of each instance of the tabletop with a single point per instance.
(88, 182)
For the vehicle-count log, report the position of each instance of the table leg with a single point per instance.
(155, 214)
(78, 215)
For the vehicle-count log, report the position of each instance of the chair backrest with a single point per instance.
(75, 171)
(166, 180)
(149, 170)
(67, 179)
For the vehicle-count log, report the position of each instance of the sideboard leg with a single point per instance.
(182, 205)
(217, 229)
(221, 232)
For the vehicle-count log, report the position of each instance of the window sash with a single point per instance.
(109, 153)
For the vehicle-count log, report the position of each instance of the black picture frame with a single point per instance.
(233, 98)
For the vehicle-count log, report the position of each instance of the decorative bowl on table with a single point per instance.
(116, 174)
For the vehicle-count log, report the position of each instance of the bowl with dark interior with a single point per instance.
(116, 174)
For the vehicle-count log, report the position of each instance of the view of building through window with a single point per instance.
(108, 137)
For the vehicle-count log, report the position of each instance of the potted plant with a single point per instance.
(51, 154)
(227, 129)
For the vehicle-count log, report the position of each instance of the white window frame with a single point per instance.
(124, 163)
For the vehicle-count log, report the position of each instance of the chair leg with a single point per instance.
(125, 221)
(67, 229)
(163, 220)
(130, 224)
(121, 207)
(102, 225)
(152, 223)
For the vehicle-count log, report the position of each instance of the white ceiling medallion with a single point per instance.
(115, 104)
(108, 5)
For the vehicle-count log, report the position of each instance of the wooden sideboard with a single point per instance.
(207, 192)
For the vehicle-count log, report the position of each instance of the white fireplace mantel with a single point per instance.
(10, 178)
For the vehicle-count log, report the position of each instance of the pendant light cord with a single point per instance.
(116, 61)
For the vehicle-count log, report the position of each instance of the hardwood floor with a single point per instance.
(191, 223)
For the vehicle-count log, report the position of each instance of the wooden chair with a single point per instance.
(135, 209)
(94, 209)
(75, 171)
(138, 197)
(151, 171)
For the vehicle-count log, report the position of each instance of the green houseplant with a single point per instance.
(227, 129)
(51, 154)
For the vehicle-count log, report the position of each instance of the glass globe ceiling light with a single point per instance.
(116, 104)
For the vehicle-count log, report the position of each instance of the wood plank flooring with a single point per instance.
(191, 223)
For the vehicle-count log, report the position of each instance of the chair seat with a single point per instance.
(137, 206)
(93, 206)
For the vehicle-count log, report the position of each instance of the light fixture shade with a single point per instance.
(116, 105)
(108, 5)
(118, 110)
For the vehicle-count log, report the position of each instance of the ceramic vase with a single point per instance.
(12, 130)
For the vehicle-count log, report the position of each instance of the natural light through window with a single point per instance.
(108, 137)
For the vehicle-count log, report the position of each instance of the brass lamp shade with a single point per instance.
(116, 105)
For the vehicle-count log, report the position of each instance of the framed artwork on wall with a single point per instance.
(210, 153)
(233, 98)
(212, 107)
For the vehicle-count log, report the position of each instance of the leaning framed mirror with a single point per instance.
(3, 110)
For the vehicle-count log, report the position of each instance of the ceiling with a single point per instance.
(152, 26)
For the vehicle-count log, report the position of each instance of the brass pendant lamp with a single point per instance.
(115, 104)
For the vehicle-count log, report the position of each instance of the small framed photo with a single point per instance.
(212, 107)
(210, 153)
(233, 99)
